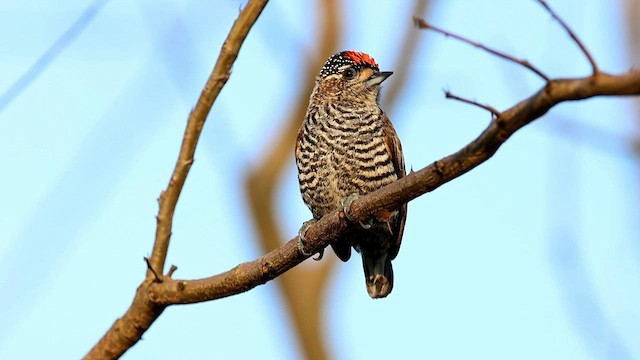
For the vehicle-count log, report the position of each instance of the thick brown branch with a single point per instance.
(422, 24)
(127, 330)
(251, 274)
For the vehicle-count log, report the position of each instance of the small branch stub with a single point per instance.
(172, 269)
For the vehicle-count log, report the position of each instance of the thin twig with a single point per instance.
(153, 271)
(573, 36)
(422, 24)
(490, 109)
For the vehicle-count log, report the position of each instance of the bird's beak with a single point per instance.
(378, 77)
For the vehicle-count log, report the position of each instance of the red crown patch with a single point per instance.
(360, 58)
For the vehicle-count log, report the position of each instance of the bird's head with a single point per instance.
(350, 76)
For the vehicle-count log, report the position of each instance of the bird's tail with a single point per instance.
(378, 274)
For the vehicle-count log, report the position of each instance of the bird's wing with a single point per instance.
(394, 148)
(298, 140)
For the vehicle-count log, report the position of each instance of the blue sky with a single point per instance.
(534, 254)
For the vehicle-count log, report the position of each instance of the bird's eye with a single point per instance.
(350, 74)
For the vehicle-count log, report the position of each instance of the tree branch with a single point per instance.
(573, 36)
(422, 24)
(217, 79)
(128, 329)
(251, 274)
(449, 95)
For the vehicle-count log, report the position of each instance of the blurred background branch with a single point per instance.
(405, 58)
(632, 13)
(51, 53)
(303, 287)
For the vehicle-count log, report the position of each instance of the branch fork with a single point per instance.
(158, 291)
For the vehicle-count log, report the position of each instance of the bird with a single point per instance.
(347, 147)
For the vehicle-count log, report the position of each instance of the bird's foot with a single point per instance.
(346, 209)
(302, 241)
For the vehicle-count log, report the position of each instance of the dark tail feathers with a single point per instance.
(378, 275)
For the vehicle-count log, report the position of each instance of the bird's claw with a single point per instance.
(346, 205)
(301, 242)
(346, 208)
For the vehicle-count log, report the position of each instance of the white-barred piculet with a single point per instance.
(347, 147)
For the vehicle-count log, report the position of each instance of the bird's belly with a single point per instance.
(331, 185)
(340, 174)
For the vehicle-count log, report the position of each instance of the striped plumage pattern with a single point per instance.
(347, 145)
(342, 153)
